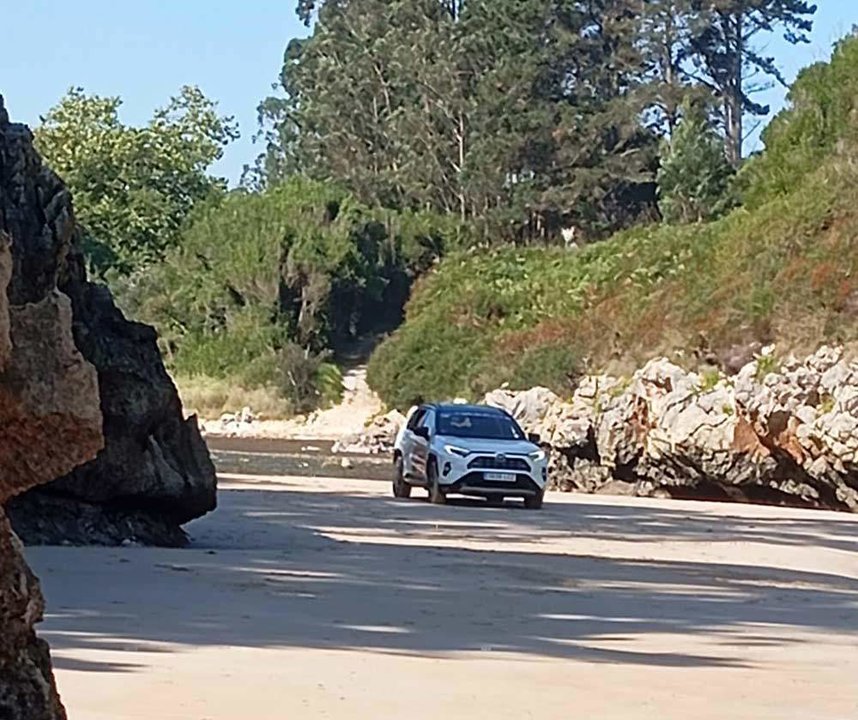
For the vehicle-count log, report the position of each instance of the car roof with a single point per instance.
(464, 408)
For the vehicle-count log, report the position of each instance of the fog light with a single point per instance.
(447, 469)
(545, 473)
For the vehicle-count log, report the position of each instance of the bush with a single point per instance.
(264, 287)
(694, 175)
(304, 379)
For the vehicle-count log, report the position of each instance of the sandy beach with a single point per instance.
(324, 598)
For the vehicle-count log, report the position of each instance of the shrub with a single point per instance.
(264, 287)
(694, 175)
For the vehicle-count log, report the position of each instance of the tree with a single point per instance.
(133, 187)
(726, 60)
(694, 177)
(525, 114)
(664, 32)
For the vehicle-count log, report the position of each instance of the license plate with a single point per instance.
(500, 477)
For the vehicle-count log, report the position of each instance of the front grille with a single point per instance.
(499, 462)
(476, 481)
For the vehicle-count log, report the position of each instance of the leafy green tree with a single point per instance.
(726, 58)
(819, 120)
(262, 277)
(694, 177)
(133, 187)
(524, 115)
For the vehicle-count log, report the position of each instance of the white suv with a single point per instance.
(469, 450)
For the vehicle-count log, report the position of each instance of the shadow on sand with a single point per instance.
(322, 570)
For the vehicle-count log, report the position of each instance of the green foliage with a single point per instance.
(821, 115)
(133, 187)
(694, 177)
(727, 59)
(766, 365)
(784, 268)
(529, 116)
(523, 115)
(304, 378)
(708, 380)
(263, 286)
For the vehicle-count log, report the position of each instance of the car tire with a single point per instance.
(534, 502)
(436, 492)
(401, 489)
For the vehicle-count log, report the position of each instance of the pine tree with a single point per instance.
(726, 58)
(694, 177)
(664, 34)
(522, 113)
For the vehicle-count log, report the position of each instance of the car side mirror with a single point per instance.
(534, 438)
(422, 432)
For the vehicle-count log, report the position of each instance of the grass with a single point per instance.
(783, 268)
(209, 398)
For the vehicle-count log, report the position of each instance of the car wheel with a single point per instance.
(401, 489)
(436, 492)
(534, 502)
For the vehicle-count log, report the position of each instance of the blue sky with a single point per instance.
(144, 51)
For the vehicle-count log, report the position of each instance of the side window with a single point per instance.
(416, 418)
(428, 420)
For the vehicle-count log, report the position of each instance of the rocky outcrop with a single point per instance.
(377, 438)
(154, 472)
(770, 432)
(50, 421)
(782, 434)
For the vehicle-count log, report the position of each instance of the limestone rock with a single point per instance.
(48, 398)
(27, 690)
(50, 421)
(788, 434)
(378, 437)
(154, 471)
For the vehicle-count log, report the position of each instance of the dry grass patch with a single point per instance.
(209, 398)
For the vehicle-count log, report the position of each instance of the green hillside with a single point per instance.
(779, 268)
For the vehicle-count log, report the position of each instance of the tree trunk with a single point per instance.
(733, 92)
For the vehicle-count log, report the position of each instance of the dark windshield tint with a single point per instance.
(469, 424)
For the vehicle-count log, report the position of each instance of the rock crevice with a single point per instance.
(785, 435)
(154, 472)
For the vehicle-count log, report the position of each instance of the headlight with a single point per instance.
(537, 455)
(453, 450)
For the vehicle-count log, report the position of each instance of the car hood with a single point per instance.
(494, 447)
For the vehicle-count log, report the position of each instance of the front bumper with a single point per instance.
(469, 476)
(475, 484)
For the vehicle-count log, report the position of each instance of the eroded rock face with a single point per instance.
(48, 398)
(377, 438)
(49, 422)
(154, 472)
(786, 436)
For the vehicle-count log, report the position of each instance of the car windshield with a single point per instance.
(470, 424)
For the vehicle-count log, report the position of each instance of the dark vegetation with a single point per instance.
(498, 140)
(265, 286)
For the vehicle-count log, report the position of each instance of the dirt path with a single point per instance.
(309, 598)
(346, 419)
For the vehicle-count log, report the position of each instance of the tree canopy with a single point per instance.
(694, 175)
(133, 187)
(529, 116)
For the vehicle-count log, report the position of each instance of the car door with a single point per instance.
(408, 440)
(420, 445)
